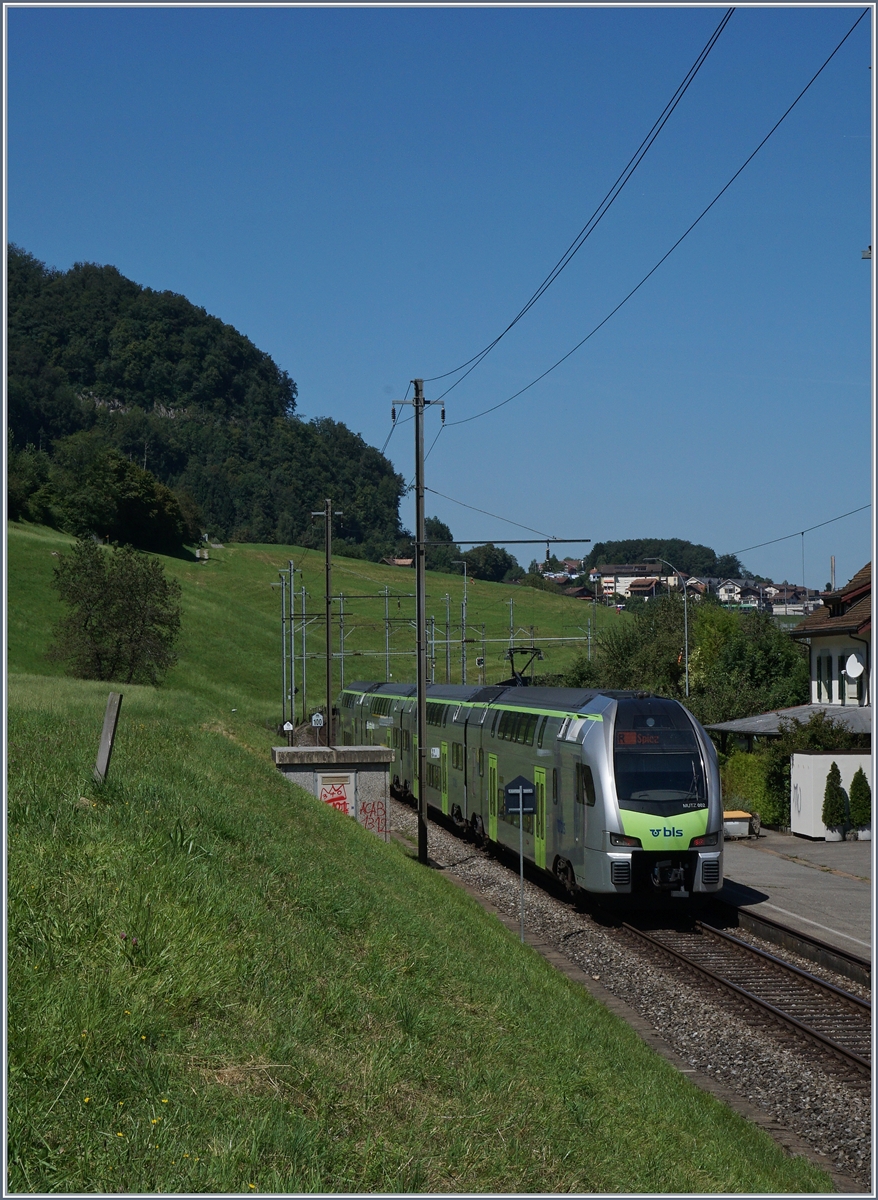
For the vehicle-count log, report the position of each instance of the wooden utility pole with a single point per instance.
(421, 617)
(419, 404)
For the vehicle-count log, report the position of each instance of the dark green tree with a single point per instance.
(492, 563)
(440, 558)
(92, 489)
(123, 614)
(833, 799)
(27, 471)
(686, 556)
(739, 663)
(860, 796)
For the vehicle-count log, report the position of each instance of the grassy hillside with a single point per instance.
(218, 984)
(230, 653)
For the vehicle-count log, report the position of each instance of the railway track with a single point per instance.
(832, 1018)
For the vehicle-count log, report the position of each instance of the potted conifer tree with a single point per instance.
(861, 805)
(833, 806)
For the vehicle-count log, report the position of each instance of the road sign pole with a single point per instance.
(521, 858)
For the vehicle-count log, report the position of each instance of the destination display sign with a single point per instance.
(664, 739)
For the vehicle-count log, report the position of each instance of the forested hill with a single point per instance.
(685, 556)
(116, 386)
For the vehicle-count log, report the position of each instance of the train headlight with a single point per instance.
(707, 839)
(621, 839)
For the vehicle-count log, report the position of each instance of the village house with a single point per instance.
(615, 579)
(840, 636)
(646, 588)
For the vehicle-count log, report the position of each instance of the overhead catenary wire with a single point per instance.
(394, 424)
(801, 532)
(667, 254)
(485, 513)
(601, 210)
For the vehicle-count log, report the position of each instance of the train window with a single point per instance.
(554, 785)
(541, 734)
(434, 776)
(494, 722)
(457, 756)
(518, 727)
(585, 793)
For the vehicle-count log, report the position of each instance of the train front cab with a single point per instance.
(652, 792)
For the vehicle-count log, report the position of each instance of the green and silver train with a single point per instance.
(627, 790)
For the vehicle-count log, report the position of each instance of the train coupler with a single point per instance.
(668, 878)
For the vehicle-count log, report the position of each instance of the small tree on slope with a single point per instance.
(123, 615)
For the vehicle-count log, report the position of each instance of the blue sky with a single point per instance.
(371, 195)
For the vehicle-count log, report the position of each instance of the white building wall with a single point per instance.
(808, 783)
(843, 690)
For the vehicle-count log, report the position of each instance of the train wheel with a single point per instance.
(457, 816)
(566, 876)
(478, 828)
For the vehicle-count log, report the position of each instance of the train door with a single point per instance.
(540, 817)
(444, 769)
(583, 798)
(492, 797)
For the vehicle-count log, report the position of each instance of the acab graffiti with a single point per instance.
(373, 815)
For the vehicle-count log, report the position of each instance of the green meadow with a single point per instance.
(217, 984)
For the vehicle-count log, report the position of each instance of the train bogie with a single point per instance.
(626, 785)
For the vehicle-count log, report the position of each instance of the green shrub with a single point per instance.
(745, 785)
(860, 796)
(833, 799)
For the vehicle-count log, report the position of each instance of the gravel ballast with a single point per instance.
(704, 1027)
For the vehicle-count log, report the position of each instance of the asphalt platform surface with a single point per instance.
(820, 888)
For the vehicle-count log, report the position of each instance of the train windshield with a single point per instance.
(657, 759)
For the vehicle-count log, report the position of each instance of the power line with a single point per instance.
(601, 210)
(515, 395)
(800, 532)
(485, 513)
(394, 424)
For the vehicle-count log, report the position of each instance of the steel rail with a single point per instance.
(843, 962)
(763, 1006)
(858, 1003)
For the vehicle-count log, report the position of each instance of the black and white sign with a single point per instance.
(317, 720)
(520, 796)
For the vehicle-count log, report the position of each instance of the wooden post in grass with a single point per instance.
(108, 736)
